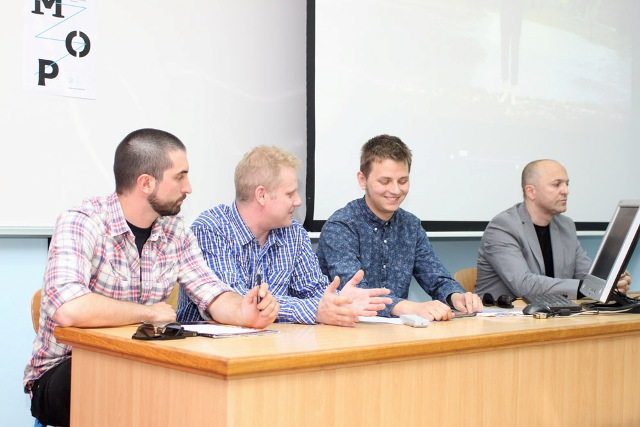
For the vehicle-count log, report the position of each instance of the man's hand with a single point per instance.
(335, 309)
(161, 312)
(624, 282)
(467, 302)
(344, 309)
(367, 302)
(261, 315)
(430, 310)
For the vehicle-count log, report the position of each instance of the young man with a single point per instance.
(374, 234)
(257, 237)
(114, 260)
(531, 248)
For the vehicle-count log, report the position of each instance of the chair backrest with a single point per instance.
(35, 309)
(467, 278)
(172, 300)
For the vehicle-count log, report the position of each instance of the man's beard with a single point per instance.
(167, 208)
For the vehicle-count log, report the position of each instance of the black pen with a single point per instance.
(258, 283)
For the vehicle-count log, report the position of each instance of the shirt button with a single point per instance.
(375, 229)
(384, 266)
(385, 240)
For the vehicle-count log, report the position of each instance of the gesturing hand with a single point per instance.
(366, 302)
(335, 309)
(344, 309)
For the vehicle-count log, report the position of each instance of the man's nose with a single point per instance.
(187, 186)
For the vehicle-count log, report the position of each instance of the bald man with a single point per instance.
(531, 248)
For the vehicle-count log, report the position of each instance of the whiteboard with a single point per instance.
(431, 72)
(223, 76)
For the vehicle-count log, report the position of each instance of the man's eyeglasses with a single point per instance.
(169, 331)
(503, 301)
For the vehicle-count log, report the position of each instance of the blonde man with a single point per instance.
(256, 239)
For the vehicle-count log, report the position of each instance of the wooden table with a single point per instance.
(475, 371)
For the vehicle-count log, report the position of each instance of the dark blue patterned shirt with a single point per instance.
(286, 262)
(389, 252)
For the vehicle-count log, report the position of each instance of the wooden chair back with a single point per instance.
(467, 278)
(35, 309)
(173, 297)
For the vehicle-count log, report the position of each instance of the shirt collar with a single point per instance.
(245, 235)
(118, 222)
(158, 229)
(373, 218)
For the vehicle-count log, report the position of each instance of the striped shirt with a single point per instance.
(286, 262)
(390, 253)
(93, 250)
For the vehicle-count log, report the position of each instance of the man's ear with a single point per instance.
(260, 194)
(146, 183)
(530, 191)
(362, 180)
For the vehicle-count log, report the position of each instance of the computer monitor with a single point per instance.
(614, 252)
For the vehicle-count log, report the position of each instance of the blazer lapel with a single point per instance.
(531, 237)
(559, 250)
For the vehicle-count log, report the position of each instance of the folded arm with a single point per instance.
(94, 310)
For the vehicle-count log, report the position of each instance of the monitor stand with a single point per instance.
(618, 302)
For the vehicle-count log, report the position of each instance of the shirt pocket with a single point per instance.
(113, 279)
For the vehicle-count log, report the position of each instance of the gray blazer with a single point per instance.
(510, 259)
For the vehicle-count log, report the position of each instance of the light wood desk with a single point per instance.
(578, 371)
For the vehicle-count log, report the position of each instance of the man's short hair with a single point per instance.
(383, 147)
(143, 151)
(261, 166)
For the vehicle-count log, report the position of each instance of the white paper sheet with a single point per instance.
(378, 319)
(207, 329)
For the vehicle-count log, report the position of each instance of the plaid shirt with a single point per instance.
(93, 250)
(286, 262)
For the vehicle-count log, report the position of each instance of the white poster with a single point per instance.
(59, 54)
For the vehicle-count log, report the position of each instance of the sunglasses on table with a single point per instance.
(168, 331)
(503, 301)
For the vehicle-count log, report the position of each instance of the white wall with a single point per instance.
(223, 76)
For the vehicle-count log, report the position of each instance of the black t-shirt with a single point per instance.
(544, 238)
(141, 235)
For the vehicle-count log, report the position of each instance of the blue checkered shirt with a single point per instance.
(286, 262)
(389, 252)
